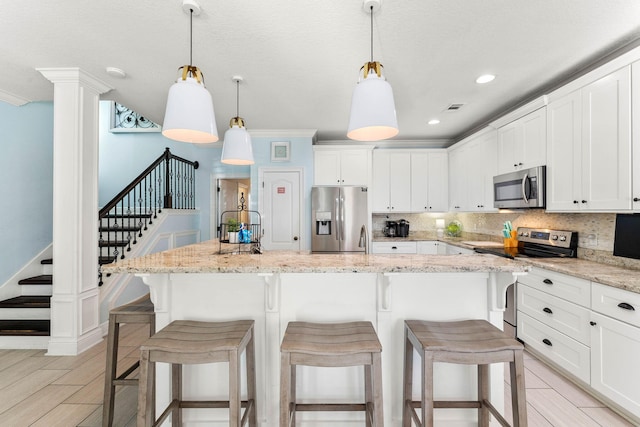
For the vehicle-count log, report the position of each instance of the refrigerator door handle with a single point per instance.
(342, 227)
(337, 215)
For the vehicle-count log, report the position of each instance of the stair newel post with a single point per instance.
(167, 179)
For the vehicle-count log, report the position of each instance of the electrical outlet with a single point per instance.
(591, 240)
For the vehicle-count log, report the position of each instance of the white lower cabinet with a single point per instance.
(571, 355)
(428, 247)
(393, 247)
(590, 330)
(615, 345)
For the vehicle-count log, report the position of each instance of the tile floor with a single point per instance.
(554, 401)
(48, 391)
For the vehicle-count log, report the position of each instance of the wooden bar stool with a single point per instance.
(470, 342)
(331, 345)
(138, 311)
(193, 342)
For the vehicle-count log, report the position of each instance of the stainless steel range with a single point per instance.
(533, 243)
(539, 243)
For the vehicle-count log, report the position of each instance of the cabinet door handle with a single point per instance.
(576, 202)
(547, 281)
(547, 342)
(636, 199)
(592, 323)
(394, 247)
(547, 310)
(626, 306)
(584, 201)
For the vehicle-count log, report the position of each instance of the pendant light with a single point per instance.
(236, 149)
(189, 116)
(373, 111)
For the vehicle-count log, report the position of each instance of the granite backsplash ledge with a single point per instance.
(595, 230)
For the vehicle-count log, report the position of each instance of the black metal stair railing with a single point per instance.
(168, 183)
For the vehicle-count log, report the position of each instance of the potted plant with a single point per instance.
(233, 226)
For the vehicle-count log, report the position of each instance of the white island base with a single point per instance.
(274, 299)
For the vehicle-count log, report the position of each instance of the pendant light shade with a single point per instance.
(373, 110)
(237, 149)
(189, 116)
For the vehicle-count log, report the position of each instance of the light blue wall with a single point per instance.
(123, 156)
(26, 190)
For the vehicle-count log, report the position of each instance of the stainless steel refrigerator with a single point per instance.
(338, 215)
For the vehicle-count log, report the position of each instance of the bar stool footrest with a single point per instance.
(341, 407)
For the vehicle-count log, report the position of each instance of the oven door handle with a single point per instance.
(525, 180)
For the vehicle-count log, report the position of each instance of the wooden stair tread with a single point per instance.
(25, 327)
(43, 279)
(127, 216)
(113, 243)
(119, 229)
(27, 301)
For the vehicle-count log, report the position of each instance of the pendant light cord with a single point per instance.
(237, 98)
(371, 33)
(191, 38)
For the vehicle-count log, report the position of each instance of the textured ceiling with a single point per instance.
(300, 58)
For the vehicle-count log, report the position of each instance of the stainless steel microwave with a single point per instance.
(520, 190)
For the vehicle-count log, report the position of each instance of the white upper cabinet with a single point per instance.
(391, 181)
(589, 147)
(429, 181)
(337, 166)
(522, 143)
(472, 167)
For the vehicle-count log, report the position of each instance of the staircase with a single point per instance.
(166, 183)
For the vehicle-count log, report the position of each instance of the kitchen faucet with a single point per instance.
(364, 239)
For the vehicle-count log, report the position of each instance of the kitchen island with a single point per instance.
(195, 282)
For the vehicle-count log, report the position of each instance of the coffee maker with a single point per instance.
(390, 229)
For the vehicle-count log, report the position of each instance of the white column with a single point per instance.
(75, 301)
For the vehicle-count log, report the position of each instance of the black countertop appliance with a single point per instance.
(390, 229)
(403, 228)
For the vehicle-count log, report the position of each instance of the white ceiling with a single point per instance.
(300, 58)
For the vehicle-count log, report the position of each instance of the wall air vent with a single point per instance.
(454, 107)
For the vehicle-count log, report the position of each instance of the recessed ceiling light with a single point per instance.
(434, 121)
(485, 78)
(116, 72)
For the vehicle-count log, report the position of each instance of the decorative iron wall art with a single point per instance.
(124, 119)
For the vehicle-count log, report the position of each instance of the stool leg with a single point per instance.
(176, 394)
(518, 397)
(483, 395)
(408, 381)
(293, 396)
(427, 389)
(377, 390)
(368, 396)
(234, 389)
(145, 386)
(285, 389)
(251, 380)
(110, 372)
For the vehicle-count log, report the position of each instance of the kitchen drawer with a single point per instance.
(572, 356)
(568, 318)
(394, 248)
(617, 303)
(570, 288)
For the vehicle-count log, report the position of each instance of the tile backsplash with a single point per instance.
(595, 231)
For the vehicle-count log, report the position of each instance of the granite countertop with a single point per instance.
(611, 275)
(204, 258)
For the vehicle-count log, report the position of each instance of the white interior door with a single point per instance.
(281, 210)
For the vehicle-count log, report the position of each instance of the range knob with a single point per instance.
(563, 238)
(554, 237)
(526, 234)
